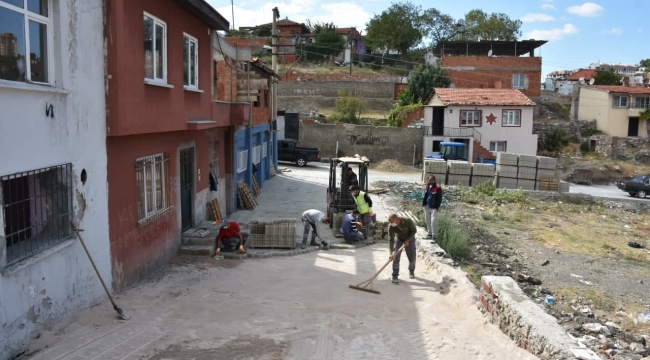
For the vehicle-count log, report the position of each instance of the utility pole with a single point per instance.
(274, 89)
(350, 45)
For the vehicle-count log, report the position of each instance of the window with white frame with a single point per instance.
(155, 48)
(519, 81)
(264, 149)
(620, 101)
(25, 28)
(242, 161)
(190, 61)
(257, 152)
(642, 102)
(498, 146)
(36, 209)
(511, 118)
(150, 174)
(470, 118)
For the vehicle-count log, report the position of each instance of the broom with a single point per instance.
(364, 286)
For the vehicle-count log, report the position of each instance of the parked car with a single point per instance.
(637, 187)
(288, 150)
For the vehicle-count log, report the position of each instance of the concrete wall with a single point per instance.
(374, 142)
(53, 284)
(322, 94)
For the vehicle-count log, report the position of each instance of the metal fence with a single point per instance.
(453, 132)
(37, 209)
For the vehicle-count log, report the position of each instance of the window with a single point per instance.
(642, 102)
(498, 146)
(257, 152)
(150, 173)
(266, 98)
(519, 81)
(264, 150)
(511, 118)
(155, 49)
(242, 161)
(190, 61)
(25, 28)
(470, 118)
(620, 101)
(37, 209)
(214, 157)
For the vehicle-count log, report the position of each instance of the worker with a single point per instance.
(431, 204)
(350, 228)
(364, 205)
(352, 178)
(401, 232)
(313, 219)
(229, 236)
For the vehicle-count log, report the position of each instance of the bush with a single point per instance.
(591, 132)
(452, 238)
(584, 147)
(488, 192)
(555, 141)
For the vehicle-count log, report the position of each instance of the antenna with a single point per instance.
(592, 81)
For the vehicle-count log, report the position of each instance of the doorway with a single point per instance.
(633, 127)
(438, 121)
(187, 186)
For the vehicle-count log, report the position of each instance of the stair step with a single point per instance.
(196, 249)
(208, 240)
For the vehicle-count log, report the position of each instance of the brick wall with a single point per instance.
(494, 72)
(226, 84)
(413, 116)
(295, 76)
(480, 151)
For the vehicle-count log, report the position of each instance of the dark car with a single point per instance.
(288, 150)
(636, 187)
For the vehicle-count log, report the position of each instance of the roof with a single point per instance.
(201, 10)
(499, 48)
(261, 64)
(621, 89)
(587, 74)
(482, 97)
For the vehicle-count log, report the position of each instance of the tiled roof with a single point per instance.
(582, 73)
(621, 89)
(482, 97)
(262, 65)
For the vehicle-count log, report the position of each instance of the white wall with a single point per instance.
(53, 284)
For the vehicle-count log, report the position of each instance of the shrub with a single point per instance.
(555, 141)
(488, 192)
(452, 238)
(584, 147)
(591, 132)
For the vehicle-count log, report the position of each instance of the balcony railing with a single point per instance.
(453, 132)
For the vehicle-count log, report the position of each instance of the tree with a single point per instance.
(263, 31)
(437, 26)
(424, 78)
(607, 77)
(398, 28)
(348, 108)
(496, 26)
(327, 43)
(234, 33)
(645, 63)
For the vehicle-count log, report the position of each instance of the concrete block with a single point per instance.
(546, 162)
(545, 173)
(483, 169)
(458, 179)
(564, 186)
(527, 161)
(460, 168)
(505, 182)
(435, 166)
(526, 184)
(507, 171)
(526, 173)
(507, 159)
(481, 179)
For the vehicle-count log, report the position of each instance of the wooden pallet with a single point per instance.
(246, 198)
(549, 184)
(256, 187)
(216, 211)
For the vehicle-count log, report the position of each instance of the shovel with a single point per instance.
(119, 311)
(367, 285)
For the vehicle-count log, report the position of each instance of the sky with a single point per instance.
(578, 32)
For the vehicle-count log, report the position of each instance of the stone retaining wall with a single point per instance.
(573, 129)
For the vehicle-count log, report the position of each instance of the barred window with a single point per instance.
(151, 172)
(36, 209)
(257, 152)
(242, 161)
(264, 149)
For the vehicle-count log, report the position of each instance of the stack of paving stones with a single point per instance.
(482, 173)
(506, 175)
(527, 172)
(273, 234)
(437, 168)
(460, 173)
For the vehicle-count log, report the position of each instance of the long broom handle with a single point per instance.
(383, 267)
(93, 263)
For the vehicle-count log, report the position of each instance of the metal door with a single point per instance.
(187, 186)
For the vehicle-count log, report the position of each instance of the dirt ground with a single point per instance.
(393, 166)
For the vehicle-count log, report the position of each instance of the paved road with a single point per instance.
(609, 192)
(287, 307)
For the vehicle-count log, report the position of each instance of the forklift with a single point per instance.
(339, 198)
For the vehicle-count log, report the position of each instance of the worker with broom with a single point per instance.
(401, 232)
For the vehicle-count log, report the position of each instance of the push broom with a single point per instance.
(367, 285)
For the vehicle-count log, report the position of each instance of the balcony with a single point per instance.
(467, 132)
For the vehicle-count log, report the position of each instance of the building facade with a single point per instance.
(52, 165)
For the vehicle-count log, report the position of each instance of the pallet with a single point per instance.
(549, 184)
(246, 198)
(216, 211)
(256, 187)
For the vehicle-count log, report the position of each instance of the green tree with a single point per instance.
(495, 26)
(327, 43)
(424, 78)
(233, 33)
(645, 63)
(607, 77)
(398, 28)
(399, 112)
(437, 26)
(348, 107)
(263, 31)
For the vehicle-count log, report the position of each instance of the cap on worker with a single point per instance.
(354, 187)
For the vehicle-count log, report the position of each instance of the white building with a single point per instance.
(52, 166)
(486, 120)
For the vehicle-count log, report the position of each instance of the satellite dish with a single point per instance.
(490, 53)
(592, 81)
(582, 80)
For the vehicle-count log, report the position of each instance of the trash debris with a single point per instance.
(645, 317)
(595, 328)
(546, 263)
(576, 276)
(528, 279)
(634, 244)
(586, 282)
(549, 300)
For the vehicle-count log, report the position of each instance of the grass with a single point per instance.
(365, 115)
(452, 238)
